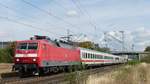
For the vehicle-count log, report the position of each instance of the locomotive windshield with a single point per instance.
(27, 46)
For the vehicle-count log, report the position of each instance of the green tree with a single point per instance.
(6, 54)
(93, 46)
(147, 49)
(87, 44)
(146, 58)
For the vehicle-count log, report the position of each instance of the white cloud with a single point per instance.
(72, 13)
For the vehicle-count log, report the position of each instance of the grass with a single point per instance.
(133, 62)
(76, 77)
(146, 59)
(137, 74)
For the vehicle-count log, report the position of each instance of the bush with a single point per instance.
(133, 62)
(6, 54)
(146, 59)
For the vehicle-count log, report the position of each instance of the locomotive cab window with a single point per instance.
(22, 46)
(32, 46)
(27, 46)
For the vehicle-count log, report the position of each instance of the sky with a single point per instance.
(21, 19)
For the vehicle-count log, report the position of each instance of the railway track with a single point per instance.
(60, 78)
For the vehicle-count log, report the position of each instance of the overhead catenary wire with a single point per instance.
(14, 10)
(59, 4)
(27, 25)
(63, 7)
(49, 13)
(83, 11)
(25, 15)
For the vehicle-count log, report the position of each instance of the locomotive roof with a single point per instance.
(53, 42)
(32, 41)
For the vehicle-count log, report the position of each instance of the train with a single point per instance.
(40, 55)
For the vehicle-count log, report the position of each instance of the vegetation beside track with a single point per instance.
(137, 74)
(6, 54)
(133, 62)
(146, 59)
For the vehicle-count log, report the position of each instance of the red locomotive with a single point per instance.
(40, 55)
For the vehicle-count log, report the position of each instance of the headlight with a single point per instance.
(34, 59)
(17, 60)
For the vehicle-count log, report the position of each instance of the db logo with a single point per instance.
(66, 55)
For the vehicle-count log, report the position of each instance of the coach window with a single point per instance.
(96, 56)
(92, 56)
(99, 57)
(88, 55)
(82, 54)
(85, 55)
(111, 57)
(105, 57)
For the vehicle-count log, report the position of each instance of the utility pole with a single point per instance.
(68, 37)
(123, 43)
(105, 39)
(133, 47)
(106, 35)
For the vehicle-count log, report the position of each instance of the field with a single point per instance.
(5, 67)
(130, 74)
